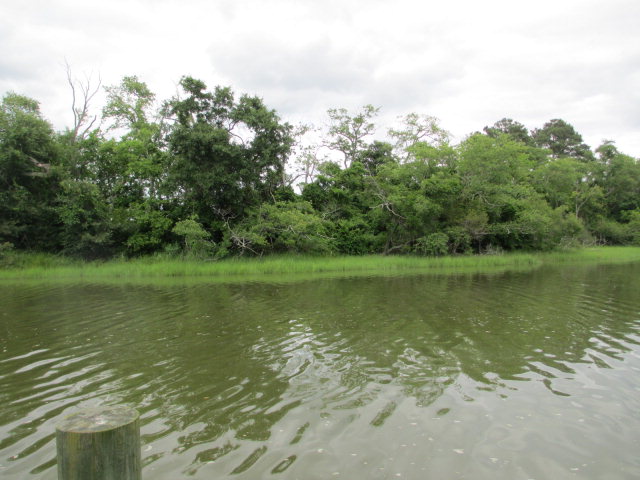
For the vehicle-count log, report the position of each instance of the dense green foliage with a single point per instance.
(208, 174)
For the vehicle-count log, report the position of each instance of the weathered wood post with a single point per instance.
(99, 444)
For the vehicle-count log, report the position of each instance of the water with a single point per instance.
(513, 376)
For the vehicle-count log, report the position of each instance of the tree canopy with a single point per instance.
(211, 173)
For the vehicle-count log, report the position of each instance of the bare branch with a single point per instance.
(82, 93)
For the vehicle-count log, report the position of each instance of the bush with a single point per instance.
(196, 238)
(7, 257)
(352, 237)
(434, 245)
(459, 240)
(633, 227)
(610, 232)
(567, 230)
(282, 227)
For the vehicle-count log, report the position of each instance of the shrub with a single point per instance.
(434, 244)
(196, 238)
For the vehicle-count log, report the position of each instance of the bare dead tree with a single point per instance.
(82, 92)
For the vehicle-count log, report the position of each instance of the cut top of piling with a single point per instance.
(98, 419)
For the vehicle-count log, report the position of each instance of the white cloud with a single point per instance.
(469, 63)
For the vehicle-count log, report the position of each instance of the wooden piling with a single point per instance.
(99, 444)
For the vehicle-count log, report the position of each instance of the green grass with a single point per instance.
(605, 255)
(33, 267)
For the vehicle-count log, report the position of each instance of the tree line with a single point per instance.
(211, 174)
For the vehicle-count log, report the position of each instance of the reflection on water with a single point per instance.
(516, 376)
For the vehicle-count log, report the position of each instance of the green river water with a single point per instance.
(510, 376)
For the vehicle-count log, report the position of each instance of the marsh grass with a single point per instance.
(605, 255)
(292, 268)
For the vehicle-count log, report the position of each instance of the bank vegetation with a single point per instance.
(211, 175)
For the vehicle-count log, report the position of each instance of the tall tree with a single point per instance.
(620, 181)
(507, 126)
(347, 132)
(503, 208)
(417, 129)
(571, 183)
(228, 155)
(110, 197)
(28, 175)
(562, 140)
(128, 104)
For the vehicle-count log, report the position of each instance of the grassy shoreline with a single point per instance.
(33, 267)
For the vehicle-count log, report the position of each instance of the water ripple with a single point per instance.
(365, 378)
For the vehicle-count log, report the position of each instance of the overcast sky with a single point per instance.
(467, 62)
